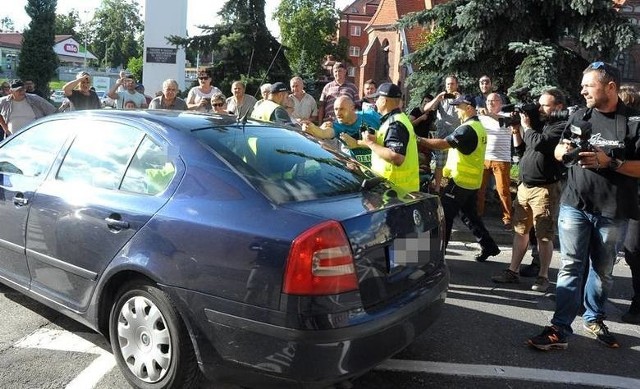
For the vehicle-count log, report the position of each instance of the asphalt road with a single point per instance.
(478, 342)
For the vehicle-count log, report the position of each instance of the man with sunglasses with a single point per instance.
(594, 203)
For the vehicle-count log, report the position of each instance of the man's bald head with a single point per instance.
(345, 110)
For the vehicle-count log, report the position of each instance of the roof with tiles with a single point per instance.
(14, 39)
(390, 11)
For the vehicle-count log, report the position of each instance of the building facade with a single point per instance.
(352, 26)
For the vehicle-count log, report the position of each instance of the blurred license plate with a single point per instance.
(410, 250)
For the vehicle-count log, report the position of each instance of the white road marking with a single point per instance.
(60, 340)
(510, 372)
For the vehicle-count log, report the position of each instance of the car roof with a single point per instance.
(184, 121)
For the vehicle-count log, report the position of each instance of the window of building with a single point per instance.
(356, 30)
(354, 51)
(351, 72)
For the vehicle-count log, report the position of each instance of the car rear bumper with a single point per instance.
(252, 352)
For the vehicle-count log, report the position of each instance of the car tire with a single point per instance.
(150, 341)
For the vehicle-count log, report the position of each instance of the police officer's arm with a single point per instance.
(383, 152)
(463, 138)
(395, 143)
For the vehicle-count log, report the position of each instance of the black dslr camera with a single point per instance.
(527, 105)
(580, 135)
(562, 115)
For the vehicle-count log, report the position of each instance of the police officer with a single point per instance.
(394, 152)
(272, 109)
(464, 167)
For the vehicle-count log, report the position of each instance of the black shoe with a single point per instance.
(601, 333)
(631, 317)
(550, 338)
(530, 270)
(484, 254)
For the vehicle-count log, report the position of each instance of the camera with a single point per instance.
(449, 96)
(365, 128)
(561, 115)
(580, 135)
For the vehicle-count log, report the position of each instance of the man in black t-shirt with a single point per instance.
(536, 202)
(600, 193)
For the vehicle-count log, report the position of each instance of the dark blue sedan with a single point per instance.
(200, 245)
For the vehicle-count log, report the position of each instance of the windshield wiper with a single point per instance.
(370, 183)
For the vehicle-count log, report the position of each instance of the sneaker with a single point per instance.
(550, 338)
(600, 331)
(541, 284)
(631, 317)
(530, 270)
(484, 254)
(506, 277)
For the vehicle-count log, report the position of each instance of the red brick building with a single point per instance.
(353, 21)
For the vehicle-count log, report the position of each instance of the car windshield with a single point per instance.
(285, 165)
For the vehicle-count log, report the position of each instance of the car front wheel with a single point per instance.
(150, 341)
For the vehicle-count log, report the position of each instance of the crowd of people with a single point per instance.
(582, 188)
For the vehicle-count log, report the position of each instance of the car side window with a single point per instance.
(150, 171)
(100, 156)
(31, 152)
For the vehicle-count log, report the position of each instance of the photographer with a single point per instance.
(594, 203)
(538, 193)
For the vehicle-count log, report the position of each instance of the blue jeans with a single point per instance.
(583, 237)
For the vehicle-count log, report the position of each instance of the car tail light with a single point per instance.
(320, 262)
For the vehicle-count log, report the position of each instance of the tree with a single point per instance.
(6, 24)
(533, 43)
(68, 24)
(308, 29)
(38, 61)
(242, 48)
(119, 27)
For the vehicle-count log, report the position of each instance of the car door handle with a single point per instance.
(116, 224)
(19, 200)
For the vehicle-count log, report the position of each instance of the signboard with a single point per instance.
(161, 55)
(101, 83)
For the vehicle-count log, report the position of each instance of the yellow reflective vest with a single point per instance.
(406, 175)
(466, 170)
(264, 110)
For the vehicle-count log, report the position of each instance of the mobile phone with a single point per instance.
(449, 96)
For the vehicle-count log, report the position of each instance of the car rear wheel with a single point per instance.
(150, 341)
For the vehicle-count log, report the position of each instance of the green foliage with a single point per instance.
(242, 47)
(38, 61)
(68, 24)
(116, 31)
(308, 29)
(6, 24)
(533, 43)
(135, 65)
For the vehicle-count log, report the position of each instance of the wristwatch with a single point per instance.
(615, 164)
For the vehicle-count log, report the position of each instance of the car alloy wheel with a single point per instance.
(149, 341)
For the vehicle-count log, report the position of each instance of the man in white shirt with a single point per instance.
(20, 108)
(304, 105)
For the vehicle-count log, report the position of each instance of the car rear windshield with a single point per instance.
(285, 165)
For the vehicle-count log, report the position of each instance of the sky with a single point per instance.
(199, 12)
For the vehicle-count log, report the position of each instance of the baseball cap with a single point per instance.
(388, 90)
(17, 84)
(463, 99)
(279, 87)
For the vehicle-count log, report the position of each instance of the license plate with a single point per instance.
(410, 250)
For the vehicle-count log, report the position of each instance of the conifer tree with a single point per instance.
(38, 61)
(242, 47)
(532, 43)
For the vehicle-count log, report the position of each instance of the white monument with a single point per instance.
(162, 60)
